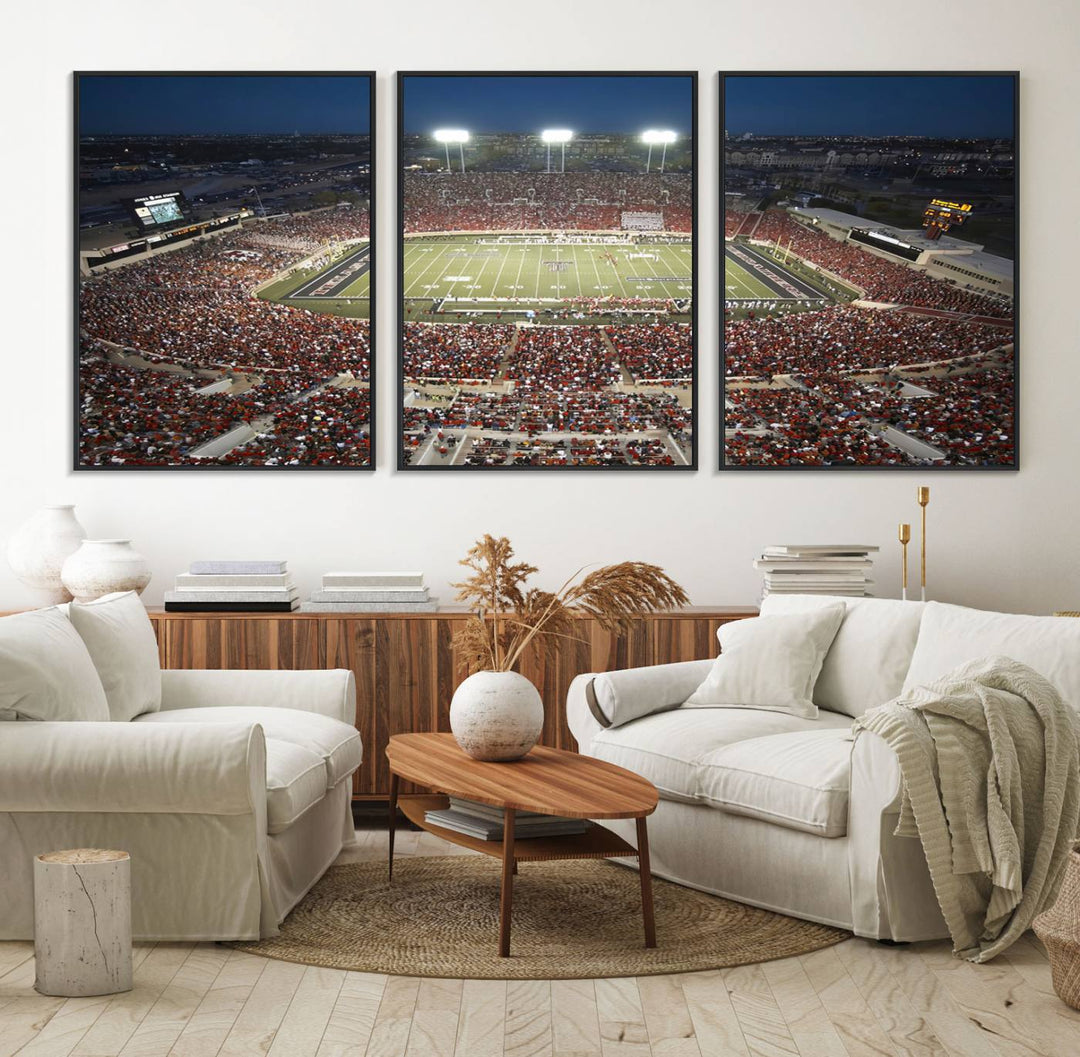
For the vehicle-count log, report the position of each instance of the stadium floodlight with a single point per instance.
(652, 137)
(446, 136)
(561, 136)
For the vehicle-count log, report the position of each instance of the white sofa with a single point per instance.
(794, 814)
(232, 794)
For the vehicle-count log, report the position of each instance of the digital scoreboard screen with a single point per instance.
(940, 215)
(153, 211)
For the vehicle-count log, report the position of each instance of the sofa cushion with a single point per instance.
(799, 780)
(770, 662)
(295, 780)
(668, 748)
(121, 642)
(631, 693)
(953, 635)
(869, 658)
(45, 670)
(336, 743)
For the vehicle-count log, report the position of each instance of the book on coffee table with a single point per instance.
(485, 822)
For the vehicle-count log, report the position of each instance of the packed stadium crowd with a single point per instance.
(662, 353)
(879, 279)
(308, 231)
(966, 417)
(579, 451)
(840, 339)
(509, 201)
(193, 309)
(454, 352)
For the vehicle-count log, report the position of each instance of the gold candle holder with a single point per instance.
(904, 535)
(923, 496)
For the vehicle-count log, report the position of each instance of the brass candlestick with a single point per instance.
(923, 497)
(904, 535)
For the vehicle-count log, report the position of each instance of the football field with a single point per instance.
(492, 274)
(340, 288)
(751, 275)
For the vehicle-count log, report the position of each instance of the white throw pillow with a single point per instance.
(869, 657)
(770, 663)
(45, 670)
(121, 641)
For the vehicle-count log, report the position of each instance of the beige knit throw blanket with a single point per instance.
(990, 761)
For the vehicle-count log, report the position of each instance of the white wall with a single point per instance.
(997, 540)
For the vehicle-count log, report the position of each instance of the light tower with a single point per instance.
(654, 136)
(561, 136)
(446, 136)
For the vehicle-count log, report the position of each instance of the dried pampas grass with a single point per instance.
(507, 615)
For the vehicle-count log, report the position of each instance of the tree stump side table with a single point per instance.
(82, 922)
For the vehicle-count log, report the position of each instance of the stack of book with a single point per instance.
(486, 822)
(234, 587)
(817, 569)
(371, 593)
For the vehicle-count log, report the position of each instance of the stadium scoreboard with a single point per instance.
(940, 215)
(154, 211)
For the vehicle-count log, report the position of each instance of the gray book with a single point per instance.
(347, 579)
(362, 594)
(245, 582)
(370, 607)
(217, 567)
(226, 595)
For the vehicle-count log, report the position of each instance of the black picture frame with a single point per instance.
(78, 78)
(402, 77)
(1013, 464)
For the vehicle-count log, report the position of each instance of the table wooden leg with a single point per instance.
(506, 896)
(393, 822)
(646, 882)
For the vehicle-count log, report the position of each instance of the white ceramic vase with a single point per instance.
(496, 715)
(37, 551)
(100, 567)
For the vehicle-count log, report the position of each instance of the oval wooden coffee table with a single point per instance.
(549, 781)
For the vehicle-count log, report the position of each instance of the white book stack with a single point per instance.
(817, 569)
(346, 592)
(258, 586)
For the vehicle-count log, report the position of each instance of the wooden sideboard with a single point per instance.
(406, 667)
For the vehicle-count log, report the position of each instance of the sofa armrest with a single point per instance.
(610, 699)
(186, 768)
(330, 692)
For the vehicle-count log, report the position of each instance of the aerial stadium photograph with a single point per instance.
(870, 275)
(548, 270)
(224, 270)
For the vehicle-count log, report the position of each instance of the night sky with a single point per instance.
(168, 105)
(528, 104)
(933, 106)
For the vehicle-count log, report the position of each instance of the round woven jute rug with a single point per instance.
(576, 918)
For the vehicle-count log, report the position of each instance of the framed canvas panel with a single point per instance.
(548, 279)
(870, 272)
(224, 271)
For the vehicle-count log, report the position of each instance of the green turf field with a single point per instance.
(352, 299)
(740, 283)
(479, 275)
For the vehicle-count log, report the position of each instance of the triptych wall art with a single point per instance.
(547, 297)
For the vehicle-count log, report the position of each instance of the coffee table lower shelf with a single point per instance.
(596, 842)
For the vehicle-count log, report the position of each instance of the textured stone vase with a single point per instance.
(100, 567)
(37, 551)
(496, 715)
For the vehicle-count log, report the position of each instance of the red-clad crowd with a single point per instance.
(573, 201)
(192, 308)
(836, 340)
(563, 359)
(661, 353)
(578, 451)
(454, 352)
(880, 279)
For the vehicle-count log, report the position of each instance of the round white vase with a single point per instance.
(37, 551)
(100, 567)
(496, 715)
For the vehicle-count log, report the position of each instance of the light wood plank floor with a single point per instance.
(857, 999)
